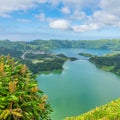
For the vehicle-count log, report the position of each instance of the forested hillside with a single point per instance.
(36, 53)
(110, 62)
(51, 44)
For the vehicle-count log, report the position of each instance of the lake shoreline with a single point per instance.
(69, 87)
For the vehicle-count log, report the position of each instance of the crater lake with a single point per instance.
(80, 87)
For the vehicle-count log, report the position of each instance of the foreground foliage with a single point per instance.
(20, 98)
(110, 111)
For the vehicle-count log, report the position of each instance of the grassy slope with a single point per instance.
(110, 111)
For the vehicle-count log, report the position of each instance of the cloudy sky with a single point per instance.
(59, 19)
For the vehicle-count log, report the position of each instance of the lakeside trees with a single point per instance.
(109, 62)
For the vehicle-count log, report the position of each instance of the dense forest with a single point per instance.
(51, 44)
(36, 54)
(110, 62)
(45, 62)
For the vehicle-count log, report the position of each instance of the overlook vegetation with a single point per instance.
(20, 98)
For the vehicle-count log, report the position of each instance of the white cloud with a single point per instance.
(8, 6)
(111, 6)
(105, 18)
(65, 10)
(86, 27)
(78, 15)
(108, 13)
(60, 24)
(74, 11)
(76, 4)
(105, 13)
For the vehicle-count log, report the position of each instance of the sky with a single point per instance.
(25, 20)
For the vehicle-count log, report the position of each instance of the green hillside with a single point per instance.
(110, 111)
(51, 44)
(109, 62)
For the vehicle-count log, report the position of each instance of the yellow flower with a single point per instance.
(1, 67)
(44, 98)
(23, 69)
(41, 106)
(34, 89)
(12, 86)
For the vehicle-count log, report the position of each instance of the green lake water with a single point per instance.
(80, 87)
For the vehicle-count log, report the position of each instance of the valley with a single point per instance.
(72, 74)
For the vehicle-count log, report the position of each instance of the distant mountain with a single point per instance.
(51, 44)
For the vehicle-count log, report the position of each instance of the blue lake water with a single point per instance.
(80, 87)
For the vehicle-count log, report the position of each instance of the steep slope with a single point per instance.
(110, 111)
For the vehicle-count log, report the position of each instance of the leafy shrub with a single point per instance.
(20, 98)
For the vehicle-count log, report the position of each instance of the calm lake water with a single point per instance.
(80, 87)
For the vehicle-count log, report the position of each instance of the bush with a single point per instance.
(20, 98)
